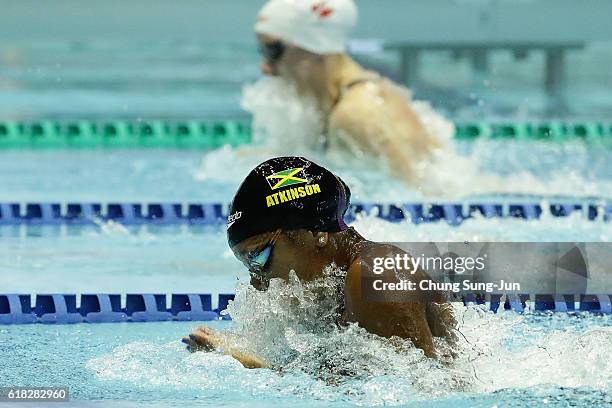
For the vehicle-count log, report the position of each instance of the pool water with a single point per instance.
(485, 168)
(171, 259)
(503, 360)
(186, 78)
(506, 359)
(552, 360)
(283, 124)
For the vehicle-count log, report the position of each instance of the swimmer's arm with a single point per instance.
(206, 339)
(407, 320)
(248, 361)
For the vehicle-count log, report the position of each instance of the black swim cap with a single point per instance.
(288, 193)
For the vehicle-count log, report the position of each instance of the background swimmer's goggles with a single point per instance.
(272, 51)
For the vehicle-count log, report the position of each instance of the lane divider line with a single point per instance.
(149, 307)
(205, 134)
(216, 213)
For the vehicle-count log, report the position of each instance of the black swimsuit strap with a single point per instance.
(354, 82)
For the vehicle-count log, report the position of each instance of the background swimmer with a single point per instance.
(305, 236)
(305, 42)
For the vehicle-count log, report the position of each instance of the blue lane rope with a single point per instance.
(107, 308)
(148, 307)
(216, 213)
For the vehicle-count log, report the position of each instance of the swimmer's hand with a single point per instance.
(206, 339)
(202, 339)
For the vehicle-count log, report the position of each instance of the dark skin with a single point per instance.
(418, 319)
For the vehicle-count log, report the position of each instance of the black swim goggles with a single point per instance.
(272, 51)
(258, 261)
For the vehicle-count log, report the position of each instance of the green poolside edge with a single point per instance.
(201, 134)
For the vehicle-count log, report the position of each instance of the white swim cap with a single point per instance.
(321, 27)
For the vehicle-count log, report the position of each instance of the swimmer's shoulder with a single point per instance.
(385, 316)
(371, 93)
(363, 262)
(358, 107)
(360, 92)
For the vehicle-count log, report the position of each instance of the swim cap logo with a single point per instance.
(233, 218)
(287, 178)
(321, 10)
(292, 194)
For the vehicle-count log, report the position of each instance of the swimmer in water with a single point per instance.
(305, 42)
(288, 216)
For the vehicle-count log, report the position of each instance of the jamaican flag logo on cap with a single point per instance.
(287, 178)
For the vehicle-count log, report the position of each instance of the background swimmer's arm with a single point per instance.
(206, 339)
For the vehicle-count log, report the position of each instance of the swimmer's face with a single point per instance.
(286, 60)
(299, 251)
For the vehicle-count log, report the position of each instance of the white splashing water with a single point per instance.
(291, 325)
(285, 123)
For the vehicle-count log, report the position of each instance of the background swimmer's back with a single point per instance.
(376, 117)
